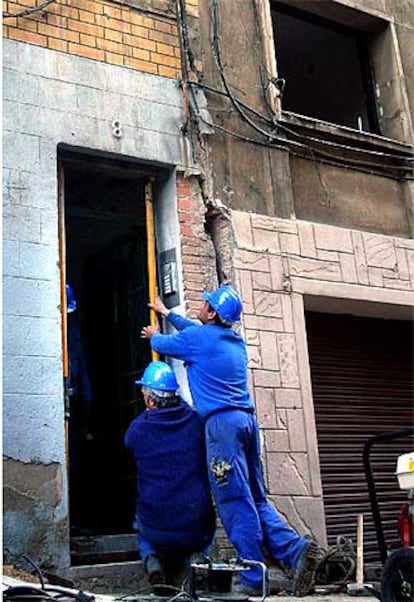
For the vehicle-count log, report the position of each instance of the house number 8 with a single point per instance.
(117, 129)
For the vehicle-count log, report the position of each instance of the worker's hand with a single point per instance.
(148, 331)
(159, 307)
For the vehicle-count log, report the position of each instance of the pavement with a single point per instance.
(320, 596)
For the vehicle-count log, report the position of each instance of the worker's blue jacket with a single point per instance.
(174, 506)
(216, 361)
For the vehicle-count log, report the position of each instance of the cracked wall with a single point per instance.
(32, 521)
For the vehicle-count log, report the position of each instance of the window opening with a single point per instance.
(326, 69)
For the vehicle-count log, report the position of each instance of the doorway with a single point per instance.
(106, 266)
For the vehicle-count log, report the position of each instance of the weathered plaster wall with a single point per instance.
(50, 98)
(253, 177)
(277, 263)
(32, 494)
(331, 195)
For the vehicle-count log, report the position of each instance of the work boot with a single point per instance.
(154, 570)
(304, 571)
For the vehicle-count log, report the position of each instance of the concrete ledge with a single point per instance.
(112, 577)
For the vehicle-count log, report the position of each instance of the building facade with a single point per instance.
(267, 144)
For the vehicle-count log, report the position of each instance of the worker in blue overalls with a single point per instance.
(215, 356)
(174, 518)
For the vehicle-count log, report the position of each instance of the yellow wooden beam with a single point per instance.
(151, 256)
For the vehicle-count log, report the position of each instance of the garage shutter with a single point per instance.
(362, 382)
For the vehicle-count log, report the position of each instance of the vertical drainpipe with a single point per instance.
(151, 256)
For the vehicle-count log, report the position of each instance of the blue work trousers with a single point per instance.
(147, 548)
(236, 479)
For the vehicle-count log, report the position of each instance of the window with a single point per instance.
(326, 69)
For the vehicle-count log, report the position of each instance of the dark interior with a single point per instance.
(107, 268)
(331, 63)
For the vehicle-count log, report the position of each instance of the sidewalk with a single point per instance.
(320, 597)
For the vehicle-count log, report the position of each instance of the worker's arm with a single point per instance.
(176, 345)
(179, 322)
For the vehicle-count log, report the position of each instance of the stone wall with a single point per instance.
(52, 98)
(279, 263)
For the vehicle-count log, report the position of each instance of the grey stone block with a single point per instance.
(34, 428)
(11, 258)
(22, 150)
(38, 261)
(21, 87)
(29, 297)
(36, 336)
(21, 223)
(31, 373)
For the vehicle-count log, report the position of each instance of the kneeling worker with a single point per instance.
(175, 517)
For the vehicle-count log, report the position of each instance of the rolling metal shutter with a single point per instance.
(362, 382)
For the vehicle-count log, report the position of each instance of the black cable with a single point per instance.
(271, 139)
(302, 155)
(36, 568)
(302, 136)
(270, 136)
(344, 146)
(28, 11)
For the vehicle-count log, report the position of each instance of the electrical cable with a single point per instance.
(36, 568)
(270, 136)
(284, 146)
(30, 592)
(305, 137)
(28, 11)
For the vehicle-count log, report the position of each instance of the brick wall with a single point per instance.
(103, 31)
(198, 256)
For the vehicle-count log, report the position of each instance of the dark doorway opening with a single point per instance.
(362, 385)
(106, 265)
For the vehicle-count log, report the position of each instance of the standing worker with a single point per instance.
(216, 361)
(175, 518)
(80, 422)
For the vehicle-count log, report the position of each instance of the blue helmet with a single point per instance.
(159, 376)
(70, 299)
(227, 303)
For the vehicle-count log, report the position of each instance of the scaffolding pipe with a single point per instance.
(151, 256)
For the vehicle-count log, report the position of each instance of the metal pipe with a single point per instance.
(264, 574)
(151, 256)
(360, 550)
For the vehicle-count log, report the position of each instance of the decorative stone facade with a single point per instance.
(279, 263)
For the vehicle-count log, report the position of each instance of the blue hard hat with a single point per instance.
(158, 376)
(227, 303)
(70, 299)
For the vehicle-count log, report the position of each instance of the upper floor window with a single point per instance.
(326, 69)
